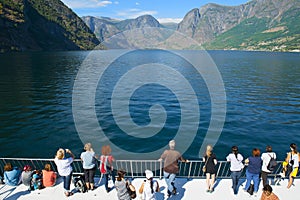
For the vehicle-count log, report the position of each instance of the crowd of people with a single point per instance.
(257, 166)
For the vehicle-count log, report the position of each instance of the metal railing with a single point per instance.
(136, 168)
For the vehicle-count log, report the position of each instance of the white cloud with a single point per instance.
(137, 3)
(169, 20)
(134, 13)
(116, 2)
(86, 3)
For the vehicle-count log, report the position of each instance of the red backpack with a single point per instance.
(103, 164)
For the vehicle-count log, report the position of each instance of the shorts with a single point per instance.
(294, 172)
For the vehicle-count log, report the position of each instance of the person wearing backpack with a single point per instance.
(268, 164)
(106, 166)
(149, 187)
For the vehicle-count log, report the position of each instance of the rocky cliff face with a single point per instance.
(211, 20)
(42, 25)
(105, 28)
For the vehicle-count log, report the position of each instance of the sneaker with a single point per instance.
(169, 193)
(174, 191)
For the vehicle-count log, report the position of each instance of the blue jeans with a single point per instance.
(250, 176)
(105, 176)
(235, 176)
(170, 179)
(67, 182)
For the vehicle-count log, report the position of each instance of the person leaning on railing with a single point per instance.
(171, 168)
(236, 167)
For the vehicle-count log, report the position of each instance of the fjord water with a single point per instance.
(262, 102)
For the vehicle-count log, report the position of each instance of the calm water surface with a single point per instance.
(262, 95)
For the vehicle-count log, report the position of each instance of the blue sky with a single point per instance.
(163, 10)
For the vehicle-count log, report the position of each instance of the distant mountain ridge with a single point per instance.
(256, 25)
(106, 27)
(270, 25)
(42, 25)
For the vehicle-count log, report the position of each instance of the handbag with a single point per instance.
(251, 189)
(131, 190)
(204, 167)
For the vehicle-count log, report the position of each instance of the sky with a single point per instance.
(162, 10)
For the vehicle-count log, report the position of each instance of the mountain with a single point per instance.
(257, 25)
(42, 25)
(271, 25)
(105, 27)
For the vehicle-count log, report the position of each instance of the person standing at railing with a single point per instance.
(254, 164)
(266, 158)
(236, 167)
(89, 165)
(106, 166)
(171, 168)
(210, 160)
(64, 168)
(292, 160)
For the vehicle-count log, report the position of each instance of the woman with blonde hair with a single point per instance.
(210, 160)
(106, 166)
(64, 168)
(49, 176)
(89, 165)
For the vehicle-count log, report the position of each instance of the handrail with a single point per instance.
(136, 168)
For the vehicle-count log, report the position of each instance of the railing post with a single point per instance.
(131, 169)
(160, 169)
(190, 168)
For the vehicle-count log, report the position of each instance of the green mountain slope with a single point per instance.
(258, 34)
(42, 25)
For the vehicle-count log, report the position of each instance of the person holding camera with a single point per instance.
(64, 168)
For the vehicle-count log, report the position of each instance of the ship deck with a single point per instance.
(188, 189)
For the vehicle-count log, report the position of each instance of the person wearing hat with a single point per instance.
(26, 176)
(171, 168)
(149, 187)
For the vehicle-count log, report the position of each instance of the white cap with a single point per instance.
(172, 144)
(149, 174)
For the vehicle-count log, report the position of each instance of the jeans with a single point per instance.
(67, 181)
(105, 176)
(250, 176)
(235, 176)
(170, 179)
(264, 177)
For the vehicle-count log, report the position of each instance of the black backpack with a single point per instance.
(79, 183)
(272, 164)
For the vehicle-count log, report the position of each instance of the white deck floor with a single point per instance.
(193, 189)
